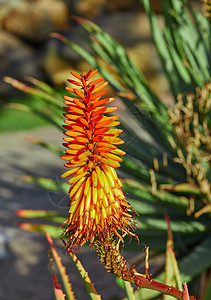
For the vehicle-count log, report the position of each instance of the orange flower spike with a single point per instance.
(97, 204)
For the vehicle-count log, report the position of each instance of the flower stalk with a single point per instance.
(99, 212)
(97, 203)
(115, 263)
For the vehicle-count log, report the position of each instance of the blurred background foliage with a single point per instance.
(165, 115)
(27, 50)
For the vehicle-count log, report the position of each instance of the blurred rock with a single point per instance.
(125, 5)
(34, 20)
(145, 57)
(121, 5)
(142, 55)
(96, 8)
(59, 59)
(49, 58)
(17, 59)
(55, 65)
(59, 78)
(90, 8)
(128, 27)
(158, 83)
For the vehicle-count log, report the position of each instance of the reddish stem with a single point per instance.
(185, 293)
(158, 286)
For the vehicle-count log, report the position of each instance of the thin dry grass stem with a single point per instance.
(153, 181)
(156, 164)
(147, 262)
(165, 161)
(191, 206)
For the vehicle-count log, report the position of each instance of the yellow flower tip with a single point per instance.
(97, 204)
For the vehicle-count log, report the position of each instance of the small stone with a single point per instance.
(90, 8)
(142, 55)
(54, 63)
(34, 21)
(120, 5)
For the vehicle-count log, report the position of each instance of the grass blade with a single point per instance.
(114, 54)
(172, 276)
(48, 146)
(47, 183)
(129, 290)
(61, 268)
(51, 98)
(49, 215)
(162, 48)
(59, 295)
(51, 118)
(84, 275)
(53, 231)
(201, 258)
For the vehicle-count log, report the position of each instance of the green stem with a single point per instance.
(115, 263)
(84, 275)
(61, 268)
(129, 290)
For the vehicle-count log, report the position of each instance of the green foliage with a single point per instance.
(12, 119)
(163, 178)
(183, 47)
(65, 279)
(43, 102)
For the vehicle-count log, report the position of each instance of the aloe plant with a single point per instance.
(114, 263)
(170, 170)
